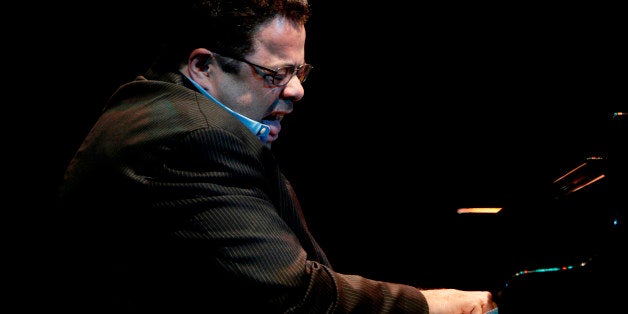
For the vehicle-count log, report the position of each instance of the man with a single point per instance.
(177, 203)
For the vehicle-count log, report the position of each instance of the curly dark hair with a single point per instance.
(223, 26)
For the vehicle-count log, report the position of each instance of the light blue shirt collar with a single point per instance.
(259, 129)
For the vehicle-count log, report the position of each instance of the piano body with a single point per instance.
(567, 243)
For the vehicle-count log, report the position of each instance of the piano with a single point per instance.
(567, 242)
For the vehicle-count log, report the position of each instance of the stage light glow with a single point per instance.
(479, 210)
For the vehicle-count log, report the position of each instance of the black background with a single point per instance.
(412, 111)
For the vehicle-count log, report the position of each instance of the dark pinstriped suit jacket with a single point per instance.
(175, 207)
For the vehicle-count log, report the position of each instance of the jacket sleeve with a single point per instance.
(332, 292)
(245, 241)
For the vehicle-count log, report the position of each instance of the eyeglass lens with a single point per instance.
(284, 74)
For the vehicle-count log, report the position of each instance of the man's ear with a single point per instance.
(199, 62)
(205, 64)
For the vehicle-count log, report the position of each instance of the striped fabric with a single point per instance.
(173, 206)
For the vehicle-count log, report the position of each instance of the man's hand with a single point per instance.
(453, 301)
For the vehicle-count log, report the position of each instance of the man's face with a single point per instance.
(250, 91)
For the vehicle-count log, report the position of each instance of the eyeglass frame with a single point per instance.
(275, 73)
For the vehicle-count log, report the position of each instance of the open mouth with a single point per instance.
(275, 126)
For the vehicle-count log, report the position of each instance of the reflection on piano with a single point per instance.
(568, 244)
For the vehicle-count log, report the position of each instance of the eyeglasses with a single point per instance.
(281, 75)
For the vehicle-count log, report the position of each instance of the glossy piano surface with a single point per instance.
(567, 242)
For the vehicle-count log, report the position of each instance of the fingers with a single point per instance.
(447, 301)
(476, 302)
(493, 310)
(488, 305)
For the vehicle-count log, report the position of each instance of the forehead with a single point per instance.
(280, 37)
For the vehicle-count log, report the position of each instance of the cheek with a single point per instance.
(255, 105)
(267, 107)
(268, 97)
(268, 103)
(256, 102)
